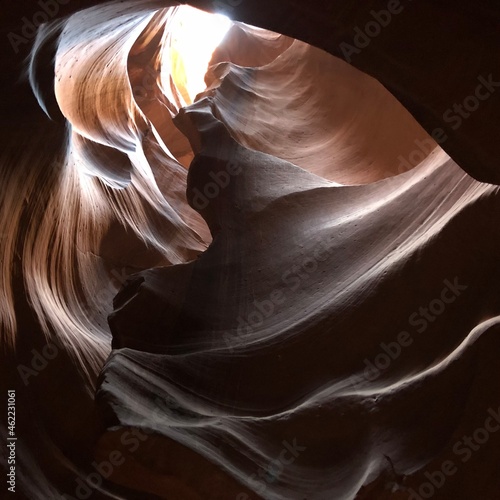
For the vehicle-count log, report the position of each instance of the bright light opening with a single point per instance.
(194, 36)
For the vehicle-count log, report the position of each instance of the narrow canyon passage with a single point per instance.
(238, 265)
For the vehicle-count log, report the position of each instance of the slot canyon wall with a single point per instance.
(284, 288)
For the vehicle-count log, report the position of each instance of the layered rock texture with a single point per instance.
(283, 287)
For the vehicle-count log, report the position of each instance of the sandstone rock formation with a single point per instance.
(284, 290)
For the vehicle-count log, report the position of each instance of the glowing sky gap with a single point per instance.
(194, 36)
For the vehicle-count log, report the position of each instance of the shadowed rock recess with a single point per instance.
(282, 287)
